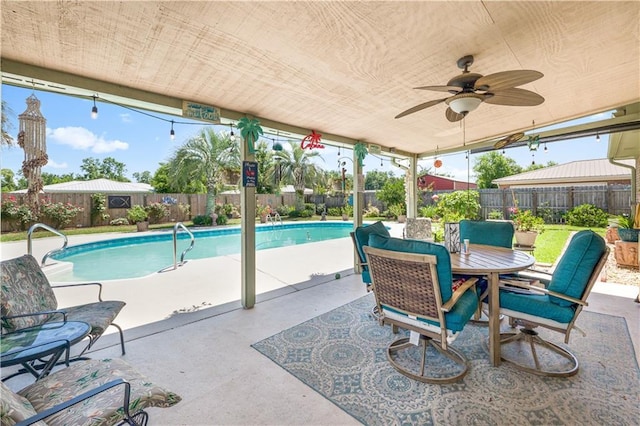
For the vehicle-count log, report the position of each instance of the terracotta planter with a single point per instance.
(142, 226)
(526, 238)
(402, 218)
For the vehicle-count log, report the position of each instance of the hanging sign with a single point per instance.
(200, 112)
(312, 141)
(249, 174)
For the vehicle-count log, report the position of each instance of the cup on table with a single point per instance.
(466, 246)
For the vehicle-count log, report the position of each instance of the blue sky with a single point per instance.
(142, 142)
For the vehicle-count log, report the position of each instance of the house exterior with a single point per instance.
(443, 183)
(101, 186)
(575, 173)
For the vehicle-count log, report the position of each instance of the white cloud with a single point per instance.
(52, 164)
(126, 118)
(82, 139)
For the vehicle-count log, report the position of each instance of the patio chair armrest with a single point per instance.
(86, 395)
(470, 282)
(549, 293)
(33, 314)
(82, 284)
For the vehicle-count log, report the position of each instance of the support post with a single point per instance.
(358, 204)
(248, 235)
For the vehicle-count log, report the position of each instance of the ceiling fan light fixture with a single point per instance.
(464, 103)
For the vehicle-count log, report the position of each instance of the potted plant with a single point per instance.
(626, 229)
(262, 212)
(527, 226)
(138, 215)
(399, 211)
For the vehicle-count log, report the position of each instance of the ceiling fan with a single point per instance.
(469, 90)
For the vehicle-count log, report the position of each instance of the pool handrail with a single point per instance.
(175, 244)
(273, 219)
(50, 252)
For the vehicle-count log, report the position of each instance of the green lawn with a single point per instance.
(549, 244)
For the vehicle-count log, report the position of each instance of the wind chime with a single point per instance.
(32, 139)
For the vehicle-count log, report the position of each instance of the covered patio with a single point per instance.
(342, 69)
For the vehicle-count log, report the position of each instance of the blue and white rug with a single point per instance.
(342, 355)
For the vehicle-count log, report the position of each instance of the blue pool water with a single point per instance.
(134, 257)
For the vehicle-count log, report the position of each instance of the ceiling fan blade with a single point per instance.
(506, 80)
(450, 89)
(515, 97)
(508, 140)
(452, 115)
(420, 107)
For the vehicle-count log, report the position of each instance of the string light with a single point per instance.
(546, 151)
(597, 137)
(172, 133)
(338, 151)
(94, 110)
(381, 165)
(232, 136)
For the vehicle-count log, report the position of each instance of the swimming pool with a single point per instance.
(134, 257)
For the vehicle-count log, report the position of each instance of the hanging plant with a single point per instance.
(360, 151)
(250, 130)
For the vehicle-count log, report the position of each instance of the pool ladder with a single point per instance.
(175, 244)
(50, 229)
(274, 219)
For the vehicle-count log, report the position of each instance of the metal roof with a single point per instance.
(103, 186)
(575, 172)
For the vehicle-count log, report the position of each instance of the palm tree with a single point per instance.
(298, 169)
(205, 158)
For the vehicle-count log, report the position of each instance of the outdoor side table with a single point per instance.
(39, 348)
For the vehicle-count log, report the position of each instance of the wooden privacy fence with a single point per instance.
(550, 203)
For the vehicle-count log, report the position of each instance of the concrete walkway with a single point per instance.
(186, 330)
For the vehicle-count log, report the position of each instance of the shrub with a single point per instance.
(284, 210)
(397, 209)
(320, 208)
(11, 212)
(495, 214)
(221, 219)
(334, 211)
(428, 211)
(203, 220)
(524, 220)
(98, 208)
(119, 221)
(459, 204)
(59, 214)
(157, 212)
(137, 214)
(587, 215)
(371, 211)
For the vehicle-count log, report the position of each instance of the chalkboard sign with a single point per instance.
(249, 174)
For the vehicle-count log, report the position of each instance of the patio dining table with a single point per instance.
(491, 261)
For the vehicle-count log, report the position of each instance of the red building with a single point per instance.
(440, 183)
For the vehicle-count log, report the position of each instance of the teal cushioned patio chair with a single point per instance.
(490, 233)
(360, 239)
(412, 283)
(28, 299)
(555, 307)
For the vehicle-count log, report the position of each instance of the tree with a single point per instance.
(109, 168)
(493, 165)
(375, 179)
(266, 169)
(538, 166)
(392, 192)
(8, 183)
(6, 125)
(144, 177)
(52, 179)
(297, 168)
(204, 158)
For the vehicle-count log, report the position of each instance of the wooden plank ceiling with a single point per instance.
(343, 68)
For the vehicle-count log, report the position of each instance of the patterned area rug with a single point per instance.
(342, 355)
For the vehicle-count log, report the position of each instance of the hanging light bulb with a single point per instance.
(381, 165)
(94, 110)
(503, 152)
(338, 151)
(546, 151)
(172, 133)
(597, 137)
(232, 135)
(533, 159)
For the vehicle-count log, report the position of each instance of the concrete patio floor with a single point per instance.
(186, 330)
